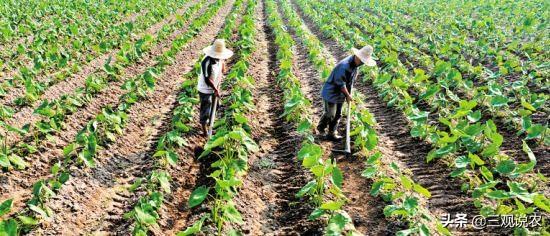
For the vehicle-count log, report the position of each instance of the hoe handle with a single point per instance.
(212, 116)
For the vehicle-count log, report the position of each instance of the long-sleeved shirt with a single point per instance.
(343, 74)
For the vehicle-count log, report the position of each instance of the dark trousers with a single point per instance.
(331, 116)
(207, 106)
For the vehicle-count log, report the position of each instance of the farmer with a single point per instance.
(212, 68)
(337, 89)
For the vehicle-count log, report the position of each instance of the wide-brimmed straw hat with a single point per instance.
(218, 50)
(365, 55)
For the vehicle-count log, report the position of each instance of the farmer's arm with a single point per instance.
(346, 92)
(339, 81)
(207, 70)
(210, 82)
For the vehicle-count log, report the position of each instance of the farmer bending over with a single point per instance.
(337, 89)
(212, 68)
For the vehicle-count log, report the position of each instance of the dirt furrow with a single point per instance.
(95, 199)
(75, 81)
(50, 151)
(191, 173)
(267, 199)
(365, 210)
(396, 143)
(15, 92)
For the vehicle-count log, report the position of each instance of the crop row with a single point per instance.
(324, 191)
(232, 143)
(508, 99)
(145, 213)
(394, 185)
(56, 59)
(55, 112)
(513, 26)
(497, 183)
(100, 131)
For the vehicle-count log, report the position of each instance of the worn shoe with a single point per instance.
(334, 136)
(320, 130)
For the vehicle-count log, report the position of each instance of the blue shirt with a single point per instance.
(342, 75)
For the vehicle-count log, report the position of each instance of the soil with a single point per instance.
(50, 151)
(126, 159)
(396, 143)
(94, 200)
(24, 115)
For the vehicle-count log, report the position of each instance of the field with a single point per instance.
(100, 136)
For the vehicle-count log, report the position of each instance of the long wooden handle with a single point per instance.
(212, 116)
(347, 148)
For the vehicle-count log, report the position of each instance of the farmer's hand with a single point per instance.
(217, 92)
(349, 99)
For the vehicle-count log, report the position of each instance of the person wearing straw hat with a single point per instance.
(208, 85)
(337, 89)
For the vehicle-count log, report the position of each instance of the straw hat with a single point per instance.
(365, 55)
(218, 50)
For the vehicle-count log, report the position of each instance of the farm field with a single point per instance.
(99, 118)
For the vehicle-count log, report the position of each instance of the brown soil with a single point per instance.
(275, 176)
(396, 143)
(89, 67)
(50, 152)
(365, 210)
(70, 85)
(126, 159)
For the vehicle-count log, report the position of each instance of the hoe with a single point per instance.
(347, 144)
(212, 116)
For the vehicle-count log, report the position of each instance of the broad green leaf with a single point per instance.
(369, 172)
(5, 207)
(498, 194)
(198, 196)
(231, 213)
(194, 229)
(331, 205)
(27, 220)
(421, 190)
(144, 218)
(316, 214)
(9, 227)
(542, 202)
(528, 105)
(506, 167)
(406, 182)
(336, 225)
(337, 177)
(476, 159)
(486, 173)
(306, 189)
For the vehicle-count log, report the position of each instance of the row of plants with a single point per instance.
(324, 191)
(449, 45)
(488, 62)
(144, 214)
(21, 19)
(21, 142)
(72, 23)
(447, 77)
(232, 143)
(503, 26)
(497, 183)
(101, 131)
(55, 59)
(508, 99)
(389, 182)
